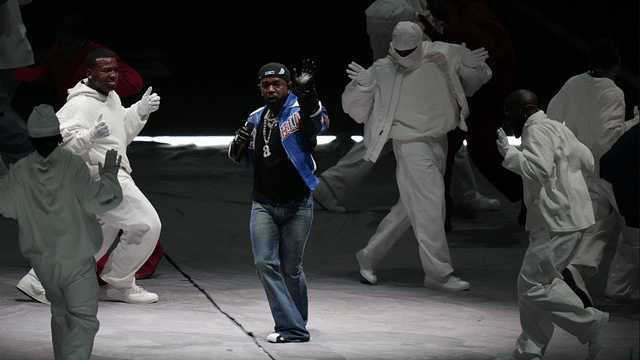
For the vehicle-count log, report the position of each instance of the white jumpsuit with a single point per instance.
(552, 163)
(594, 109)
(54, 200)
(135, 216)
(407, 104)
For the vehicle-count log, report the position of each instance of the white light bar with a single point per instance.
(224, 140)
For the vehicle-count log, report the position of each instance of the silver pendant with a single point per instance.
(265, 151)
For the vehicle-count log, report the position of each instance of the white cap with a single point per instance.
(406, 35)
(43, 122)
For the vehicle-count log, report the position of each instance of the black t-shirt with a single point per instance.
(276, 180)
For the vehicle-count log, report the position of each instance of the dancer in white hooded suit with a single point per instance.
(92, 121)
(414, 97)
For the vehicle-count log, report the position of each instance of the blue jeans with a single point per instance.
(278, 238)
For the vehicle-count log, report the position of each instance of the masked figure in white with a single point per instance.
(414, 97)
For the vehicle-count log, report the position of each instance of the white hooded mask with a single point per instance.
(406, 36)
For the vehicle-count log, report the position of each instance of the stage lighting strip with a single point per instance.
(233, 320)
(224, 140)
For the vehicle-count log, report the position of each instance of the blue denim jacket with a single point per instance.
(293, 141)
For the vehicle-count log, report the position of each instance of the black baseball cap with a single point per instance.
(274, 69)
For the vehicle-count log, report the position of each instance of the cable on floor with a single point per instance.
(233, 320)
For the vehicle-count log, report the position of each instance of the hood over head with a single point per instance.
(407, 35)
(82, 88)
(43, 122)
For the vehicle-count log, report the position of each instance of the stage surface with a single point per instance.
(212, 305)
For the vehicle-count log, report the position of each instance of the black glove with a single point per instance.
(240, 144)
(242, 135)
(305, 88)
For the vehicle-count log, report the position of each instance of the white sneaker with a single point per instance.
(448, 283)
(480, 203)
(276, 338)
(30, 285)
(366, 268)
(134, 295)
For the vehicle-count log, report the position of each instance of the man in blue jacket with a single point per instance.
(278, 141)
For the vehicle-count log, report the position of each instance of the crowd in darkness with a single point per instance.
(551, 43)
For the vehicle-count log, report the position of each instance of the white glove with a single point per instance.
(362, 76)
(101, 129)
(473, 58)
(502, 142)
(149, 103)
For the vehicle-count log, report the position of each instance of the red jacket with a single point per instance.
(65, 74)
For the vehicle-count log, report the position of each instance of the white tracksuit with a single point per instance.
(55, 201)
(552, 163)
(415, 106)
(135, 215)
(594, 110)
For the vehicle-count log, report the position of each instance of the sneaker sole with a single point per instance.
(106, 297)
(371, 280)
(32, 296)
(449, 290)
(436, 287)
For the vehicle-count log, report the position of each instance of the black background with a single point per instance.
(202, 57)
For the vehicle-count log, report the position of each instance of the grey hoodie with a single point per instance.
(55, 201)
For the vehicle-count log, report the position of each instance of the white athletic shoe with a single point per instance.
(366, 268)
(276, 338)
(133, 295)
(30, 285)
(448, 283)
